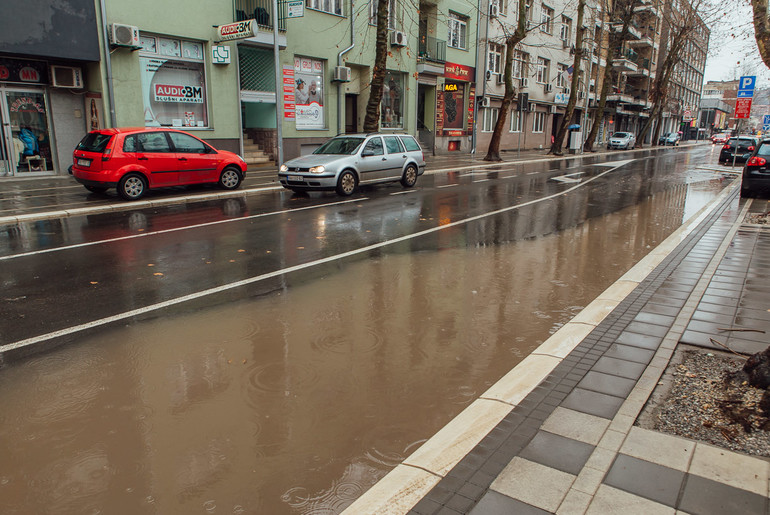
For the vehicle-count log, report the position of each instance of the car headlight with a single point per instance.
(317, 169)
(284, 168)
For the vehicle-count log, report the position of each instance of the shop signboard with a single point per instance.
(25, 72)
(459, 72)
(239, 30)
(295, 8)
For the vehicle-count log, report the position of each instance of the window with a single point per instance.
(187, 144)
(393, 145)
(564, 31)
(147, 142)
(520, 64)
(542, 70)
(173, 75)
(515, 121)
(374, 147)
(327, 6)
(538, 123)
(495, 58)
(391, 13)
(392, 103)
(561, 76)
(546, 19)
(502, 6)
(458, 29)
(410, 143)
(489, 119)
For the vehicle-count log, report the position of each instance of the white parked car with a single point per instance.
(624, 140)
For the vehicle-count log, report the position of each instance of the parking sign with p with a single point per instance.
(746, 86)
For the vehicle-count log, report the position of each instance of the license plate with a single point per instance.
(84, 162)
(297, 178)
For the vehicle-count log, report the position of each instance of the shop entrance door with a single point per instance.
(25, 139)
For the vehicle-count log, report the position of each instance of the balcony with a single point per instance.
(431, 55)
(633, 31)
(647, 8)
(643, 41)
(620, 98)
(262, 12)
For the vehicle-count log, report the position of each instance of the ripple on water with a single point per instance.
(338, 343)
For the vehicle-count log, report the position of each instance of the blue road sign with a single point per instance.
(746, 86)
(766, 128)
(766, 120)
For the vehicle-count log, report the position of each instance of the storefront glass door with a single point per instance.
(26, 141)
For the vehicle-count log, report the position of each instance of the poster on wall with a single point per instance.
(93, 110)
(471, 105)
(174, 93)
(308, 93)
(289, 100)
(454, 95)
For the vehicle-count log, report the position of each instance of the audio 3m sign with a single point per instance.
(172, 93)
(239, 30)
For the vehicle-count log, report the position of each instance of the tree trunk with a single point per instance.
(598, 115)
(762, 29)
(372, 118)
(559, 139)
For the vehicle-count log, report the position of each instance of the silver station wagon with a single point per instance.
(345, 161)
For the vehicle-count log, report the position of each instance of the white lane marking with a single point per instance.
(447, 185)
(532, 173)
(569, 178)
(251, 280)
(481, 180)
(403, 192)
(176, 229)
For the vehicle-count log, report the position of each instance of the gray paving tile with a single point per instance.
(608, 384)
(619, 367)
(593, 403)
(723, 319)
(644, 341)
(558, 452)
(648, 480)
(653, 318)
(650, 329)
(660, 309)
(707, 497)
(629, 353)
(494, 503)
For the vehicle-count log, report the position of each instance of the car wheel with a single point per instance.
(132, 186)
(96, 189)
(347, 183)
(230, 179)
(410, 176)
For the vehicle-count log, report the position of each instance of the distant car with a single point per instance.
(624, 140)
(739, 149)
(137, 159)
(756, 173)
(720, 138)
(344, 162)
(670, 138)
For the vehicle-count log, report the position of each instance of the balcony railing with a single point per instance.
(432, 49)
(262, 12)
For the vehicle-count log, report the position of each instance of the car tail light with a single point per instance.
(725, 147)
(751, 148)
(757, 161)
(106, 154)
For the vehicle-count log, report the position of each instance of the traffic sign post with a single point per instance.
(746, 86)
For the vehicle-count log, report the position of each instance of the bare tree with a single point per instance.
(579, 51)
(620, 15)
(372, 118)
(762, 29)
(512, 39)
(683, 23)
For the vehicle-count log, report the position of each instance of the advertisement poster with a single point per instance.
(454, 94)
(439, 112)
(308, 93)
(289, 100)
(174, 93)
(471, 106)
(93, 110)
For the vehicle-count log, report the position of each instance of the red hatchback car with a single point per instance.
(138, 159)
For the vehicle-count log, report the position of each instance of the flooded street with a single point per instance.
(296, 395)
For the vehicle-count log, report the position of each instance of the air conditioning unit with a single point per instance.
(494, 10)
(124, 35)
(554, 110)
(500, 78)
(486, 102)
(548, 88)
(397, 38)
(342, 74)
(524, 82)
(66, 77)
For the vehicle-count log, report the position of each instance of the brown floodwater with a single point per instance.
(299, 400)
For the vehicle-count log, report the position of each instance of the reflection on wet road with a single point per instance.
(296, 393)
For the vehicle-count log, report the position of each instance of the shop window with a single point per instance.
(458, 31)
(30, 147)
(308, 93)
(173, 82)
(327, 6)
(392, 103)
(489, 119)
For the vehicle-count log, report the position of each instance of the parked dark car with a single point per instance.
(756, 173)
(670, 138)
(135, 160)
(739, 149)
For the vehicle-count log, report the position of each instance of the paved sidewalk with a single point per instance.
(557, 434)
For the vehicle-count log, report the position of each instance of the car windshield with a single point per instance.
(94, 142)
(340, 146)
(620, 135)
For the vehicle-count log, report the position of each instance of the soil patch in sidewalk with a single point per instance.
(694, 401)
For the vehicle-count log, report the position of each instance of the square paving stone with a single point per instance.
(620, 367)
(644, 341)
(558, 452)
(629, 353)
(660, 309)
(608, 384)
(611, 501)
(494, 503)
(651, 481)
(651, 318)
(593, 403)
(534, 484)
(648, 329)
(723, 319)
(707, 497)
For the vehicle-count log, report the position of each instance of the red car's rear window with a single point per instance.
(94, 142)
